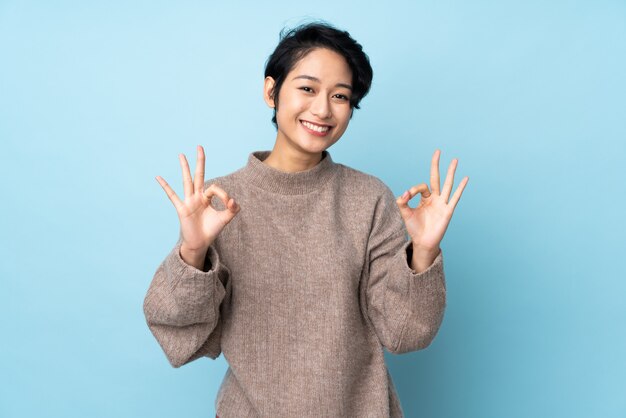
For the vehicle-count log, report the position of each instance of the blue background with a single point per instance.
(96, 99)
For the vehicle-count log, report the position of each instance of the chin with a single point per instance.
(315, 148)
(307, 143)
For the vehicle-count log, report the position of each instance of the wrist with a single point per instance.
(422, 257)
(193, 257)
(189, 250)
(424, 251)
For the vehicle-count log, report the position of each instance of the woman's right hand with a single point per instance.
(200, 223)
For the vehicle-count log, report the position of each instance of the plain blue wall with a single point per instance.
(96, 99)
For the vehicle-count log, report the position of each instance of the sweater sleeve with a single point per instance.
(406, 308)
(182, 306)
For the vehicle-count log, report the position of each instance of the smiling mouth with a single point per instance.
(314, 127)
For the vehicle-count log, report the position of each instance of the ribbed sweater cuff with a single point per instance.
(211, 261)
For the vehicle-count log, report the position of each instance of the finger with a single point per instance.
(170, 193)
(458, 192)
(187, 184)
(198, 180)
(434, 172)
(228, 215)
(447, 185)
(409, 194)
(215, 190)
(233, 207)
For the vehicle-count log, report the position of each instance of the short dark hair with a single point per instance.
(295, 43)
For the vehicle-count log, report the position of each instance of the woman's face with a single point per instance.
(316, 91)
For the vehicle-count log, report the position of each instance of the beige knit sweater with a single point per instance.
(301, 291)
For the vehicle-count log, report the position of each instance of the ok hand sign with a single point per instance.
(200, 223)
(427, 223)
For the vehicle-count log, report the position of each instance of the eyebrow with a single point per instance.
(317, 80)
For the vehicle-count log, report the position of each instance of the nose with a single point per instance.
(321, 107)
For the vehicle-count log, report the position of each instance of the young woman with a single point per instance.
(298, 268)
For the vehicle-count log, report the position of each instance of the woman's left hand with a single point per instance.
(427, 223)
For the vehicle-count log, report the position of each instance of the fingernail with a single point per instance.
(404, 196)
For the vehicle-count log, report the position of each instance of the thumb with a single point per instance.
(411, 193)
(232, 209)
(403, 201)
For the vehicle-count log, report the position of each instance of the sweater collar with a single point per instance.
(271, 179)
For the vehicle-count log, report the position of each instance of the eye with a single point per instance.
(343, 97)
(305, 88)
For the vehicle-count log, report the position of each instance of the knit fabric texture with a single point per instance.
(301, 292)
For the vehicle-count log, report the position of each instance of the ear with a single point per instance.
(268, 88)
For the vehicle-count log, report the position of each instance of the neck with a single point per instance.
(290, 160)
(268, 178)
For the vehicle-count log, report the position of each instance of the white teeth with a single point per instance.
(315, 127)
